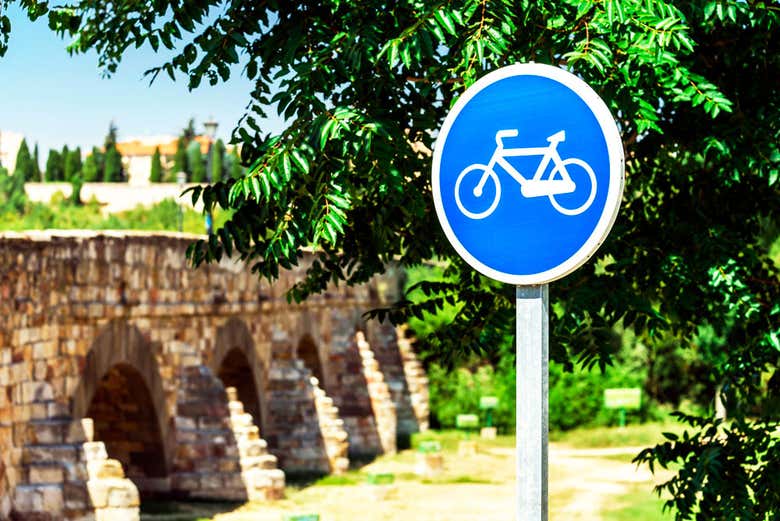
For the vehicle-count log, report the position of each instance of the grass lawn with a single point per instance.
(644, 435)
(637, 505)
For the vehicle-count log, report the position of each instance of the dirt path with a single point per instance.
(479, 487)
(584, 482)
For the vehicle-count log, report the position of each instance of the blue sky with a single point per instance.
(56, 99)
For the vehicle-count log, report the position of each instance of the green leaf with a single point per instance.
(255, 187)
(445, 22)
(286, 167)
(301, 161)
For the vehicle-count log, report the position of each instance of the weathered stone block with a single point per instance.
(94, 450)
(76, 496)
(39, 498)
(75, 433)
(182, 422)
(108, 468)
(118, 514)
(112, 493)
(45, 474)
(211, 480)
(49, 453)
(44, 350)
(46, 432)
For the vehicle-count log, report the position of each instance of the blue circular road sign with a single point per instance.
(528, 174)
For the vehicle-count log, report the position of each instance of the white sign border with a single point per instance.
(616, 171)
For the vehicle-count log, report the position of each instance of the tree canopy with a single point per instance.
(364, 86)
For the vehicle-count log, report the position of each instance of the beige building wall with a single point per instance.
(114, 197)
(138, 170)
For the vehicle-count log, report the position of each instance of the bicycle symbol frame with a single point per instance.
(537, 186)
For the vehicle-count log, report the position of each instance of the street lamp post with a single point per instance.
(211, 131)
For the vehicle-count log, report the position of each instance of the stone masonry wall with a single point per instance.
(416, 381)
(73, 306)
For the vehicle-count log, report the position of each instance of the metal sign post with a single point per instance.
(532, 402)
(527, 179)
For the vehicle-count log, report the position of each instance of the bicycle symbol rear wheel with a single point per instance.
(585, 184)
(479, 204)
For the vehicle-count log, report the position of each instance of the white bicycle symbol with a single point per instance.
(534, 187)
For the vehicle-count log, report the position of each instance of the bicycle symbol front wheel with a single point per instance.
(576, 202)
(477, 199)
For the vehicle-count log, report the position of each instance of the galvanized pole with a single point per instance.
(532, 401)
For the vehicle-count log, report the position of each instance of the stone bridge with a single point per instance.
(126, 374)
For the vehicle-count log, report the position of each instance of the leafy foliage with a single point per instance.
(458, 392)
(65, 213)
(90, 169)
(364, 86)
(72, 164)
(76, 182)
(12, 196)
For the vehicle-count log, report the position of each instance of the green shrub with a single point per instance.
(12, 195)
(62, 213)
(577, 398)
(458, 391)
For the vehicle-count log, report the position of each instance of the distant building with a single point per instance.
(137, 155)
(9, 148)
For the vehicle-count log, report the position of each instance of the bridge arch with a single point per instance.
(234, 358)
(308, 350)
(121, 390)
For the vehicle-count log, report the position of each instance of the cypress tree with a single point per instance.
(236, 169)
(24, 162)
(113, 168)
(73, 164)
(100, 162)
(188, 133)
(36, 165)
(110, 141)
(64, 155)
(90, 170)
(195, 160)
(53, 166)
(155, 176)
(217, 161)
(180, 159)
